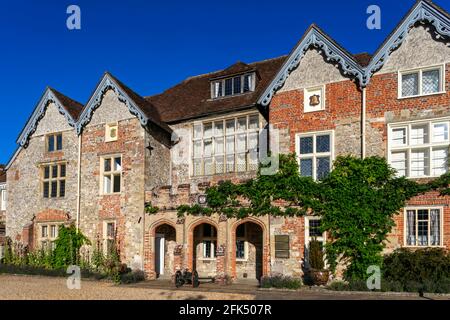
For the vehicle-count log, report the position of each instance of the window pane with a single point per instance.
(197, 149)
(230, 145)
(62, 188)
(197, 131)
(107, 165)
(44, 231)
(218, 89)
(46, 189)
(110, 230)
(253, 141)
(62, 170)
(411, 227)
(247, 82)
(208, 163)
(118, 164)
(54, 191)
(439, 161)
(207, 148)
(419, 163)
(306, 145)
(51, 143)
(399, 163)
(230, 126)
(253, 160)
(422, 236)
(241, 163)
(435, 227)
(306, 169)
(323, 167)
(207, 130)
(53, 233)
(46, 172)
(237, 85)
(107, 184)
(422, 214)
(218, 128)
(240, 249)
(242, 124)
(206, 249)
(440, 132)
(314, 228)
(323, 143)
(430, 81)
(59, 142)
(419, 134)
(230, 163)
(253, 122)
(116, 183)
(220, 166)
(228, 87)
(54, 171)
(410, 84)
(197, 167)
(219, 146)
(398, 137)
(241, 143)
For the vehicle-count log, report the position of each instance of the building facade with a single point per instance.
(99, 165)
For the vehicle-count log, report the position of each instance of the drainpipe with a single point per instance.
(363, 124)
(79, 183)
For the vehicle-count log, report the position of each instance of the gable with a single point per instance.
(419, 49)
(313, 70)
(110, 109)
(52, 121)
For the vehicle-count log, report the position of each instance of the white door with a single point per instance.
(159, 254)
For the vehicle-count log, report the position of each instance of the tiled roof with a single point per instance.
(192, 97)
(73, 107)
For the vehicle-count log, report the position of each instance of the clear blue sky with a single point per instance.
(152, 45)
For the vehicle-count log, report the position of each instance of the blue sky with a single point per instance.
(152, 45)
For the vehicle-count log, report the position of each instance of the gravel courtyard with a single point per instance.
(18, 287)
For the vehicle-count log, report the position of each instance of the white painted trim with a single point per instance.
(306, 107)
(420, 71)
(441, 226)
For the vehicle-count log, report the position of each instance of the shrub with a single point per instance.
(316, 255)
(421, 270)
(338, 286)
(280, 281)
(132, 277)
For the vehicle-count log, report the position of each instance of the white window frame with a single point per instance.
(308, 238)
(224, 136)
(111, 173)
(419, 71)
(314, 155)
(108, 128)
(429, 146)
(306, 93)
(441, 226)
(242, 76)
(3, 200)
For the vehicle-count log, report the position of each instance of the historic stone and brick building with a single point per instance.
(98, 165)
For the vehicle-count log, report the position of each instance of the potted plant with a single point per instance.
(317, 273)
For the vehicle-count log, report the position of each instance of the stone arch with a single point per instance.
(191, 240)
(256, 248)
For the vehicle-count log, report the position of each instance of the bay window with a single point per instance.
(419, 149)
(226, 145)
(423, 227)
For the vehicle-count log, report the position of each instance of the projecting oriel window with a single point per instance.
(225, 145)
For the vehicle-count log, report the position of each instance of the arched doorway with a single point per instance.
(165, 243)
(249, 251)
(204, 253)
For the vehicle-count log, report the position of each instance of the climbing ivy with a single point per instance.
(357, 202)
(68, 244)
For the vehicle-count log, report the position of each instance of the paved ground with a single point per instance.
(42, 288)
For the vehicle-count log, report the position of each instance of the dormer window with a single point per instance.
(233, 86)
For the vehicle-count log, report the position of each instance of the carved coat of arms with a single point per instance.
(314, 100)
